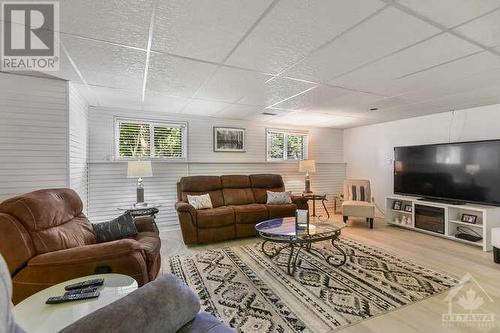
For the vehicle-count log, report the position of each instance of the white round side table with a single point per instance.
(34, 316)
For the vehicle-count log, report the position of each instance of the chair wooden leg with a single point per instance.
(345, 219)
(371, 223)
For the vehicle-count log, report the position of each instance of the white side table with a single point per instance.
(35, 316)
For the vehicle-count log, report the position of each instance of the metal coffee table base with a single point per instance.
(294, 246)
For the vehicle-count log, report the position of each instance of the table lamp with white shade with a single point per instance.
(307, 166)
(139, 170)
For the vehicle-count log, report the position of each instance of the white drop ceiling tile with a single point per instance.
(386, 32)
(443, 75)
(480, 80)
(204, 29)
(154, 101)
(406, 111)
(451, 12)
(294, 28)
(124, 21)
(322, 96)
(230, 84)
(238, 111)
(203, 108)
(485, 30)
(307, 118)
(435, 51)
(280, 89)
(468, 99)
(275, 91)
(103, 64)
(66, 70)
(177, 76)
(118, 98)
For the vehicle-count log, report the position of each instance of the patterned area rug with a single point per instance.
(253, 293)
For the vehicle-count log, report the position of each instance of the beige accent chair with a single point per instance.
(358, 200)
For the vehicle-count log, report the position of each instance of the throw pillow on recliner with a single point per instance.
(121, 227)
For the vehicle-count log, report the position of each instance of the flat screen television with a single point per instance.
(463, 171)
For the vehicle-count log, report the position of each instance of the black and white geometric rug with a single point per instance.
(252, 293)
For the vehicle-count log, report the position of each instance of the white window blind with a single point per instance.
(136, 139)
(285, 145)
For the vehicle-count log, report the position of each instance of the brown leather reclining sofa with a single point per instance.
(46, 239)
(239, 203)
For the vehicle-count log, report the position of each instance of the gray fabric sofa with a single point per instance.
(162, 306)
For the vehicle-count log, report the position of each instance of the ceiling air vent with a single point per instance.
(269, 114)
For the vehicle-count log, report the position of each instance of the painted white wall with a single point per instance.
(33, 134)
(368, 150)
(78, 143)
(109, 188)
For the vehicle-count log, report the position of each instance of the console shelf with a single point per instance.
(487, 217)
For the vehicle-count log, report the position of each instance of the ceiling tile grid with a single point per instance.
(108, 65)
(333, 60)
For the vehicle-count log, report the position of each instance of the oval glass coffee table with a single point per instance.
(284, 231)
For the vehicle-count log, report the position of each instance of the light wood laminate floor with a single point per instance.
(433, 252)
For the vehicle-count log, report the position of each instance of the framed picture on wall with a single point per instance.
(229, 139)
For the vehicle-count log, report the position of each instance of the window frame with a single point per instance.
(286, 133)
(152, 124)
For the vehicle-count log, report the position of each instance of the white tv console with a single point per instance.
(487, 217)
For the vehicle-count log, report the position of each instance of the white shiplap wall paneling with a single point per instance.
(78, 143)
(109, 188)
(33, 134)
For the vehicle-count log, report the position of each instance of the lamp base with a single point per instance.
(140, 195)
(308, 186)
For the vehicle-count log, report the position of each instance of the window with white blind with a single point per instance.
(147, 139)
(286, 145)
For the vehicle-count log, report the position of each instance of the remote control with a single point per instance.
(70, 298)
(85, 284)
(81, 291)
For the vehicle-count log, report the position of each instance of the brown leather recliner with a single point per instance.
(239, 203)
(46, 239)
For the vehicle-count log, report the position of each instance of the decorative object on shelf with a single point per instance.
(408, 208)
(139, 170)
(229, 139)
(302, 219)
(397, 205)
(468, 234)
(307, 166)
(469, 218)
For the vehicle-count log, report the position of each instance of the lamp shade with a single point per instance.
(307, 166)
(139, 169)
